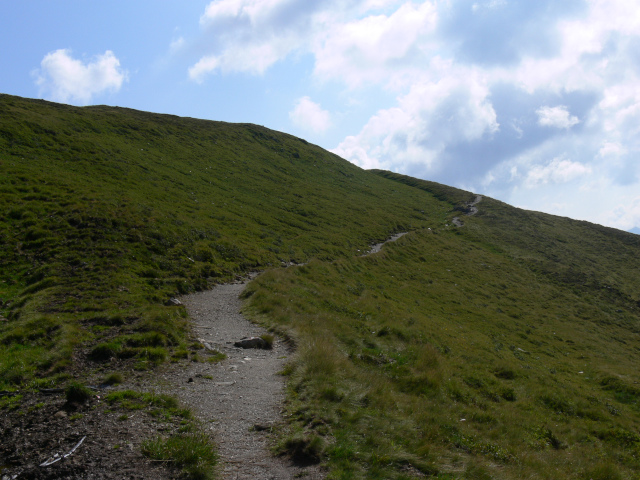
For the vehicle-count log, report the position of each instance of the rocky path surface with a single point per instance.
(472, 211)
(239, 398)
(378, 246)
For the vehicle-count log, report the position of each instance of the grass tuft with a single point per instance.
(114, 378)
(77, 393)
(268, 339)
(193, 453)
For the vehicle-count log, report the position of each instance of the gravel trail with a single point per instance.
(472, 211)
(240, 397)
(234, 396)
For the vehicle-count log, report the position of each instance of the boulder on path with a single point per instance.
(251, 342)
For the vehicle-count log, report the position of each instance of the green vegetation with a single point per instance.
(157, 405)
(189, 450)
(114, 378)
(76, 392)
(193, 453)
(507, 348)
(107, 213)
(504, 349)
(268, 338)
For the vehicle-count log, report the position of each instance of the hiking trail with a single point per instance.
(240, 398)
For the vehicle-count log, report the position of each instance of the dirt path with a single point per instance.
(378, 246)
(240, 393)
(472, 211)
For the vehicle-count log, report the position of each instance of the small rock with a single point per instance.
(60, 414)
(190, 380)
(251, 342)
(173, 302)
(260, 428)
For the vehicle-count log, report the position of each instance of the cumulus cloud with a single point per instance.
(559, 170)
(377, 47)
(626, 215)
(65, 79)
(431, 116)
(176, 45)
(611, 150)
(252, 35)
(309, 116)
(558, 117)
(498, 32)
(351, 40)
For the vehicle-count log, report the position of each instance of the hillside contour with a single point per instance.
(505, 348)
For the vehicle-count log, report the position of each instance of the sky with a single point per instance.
(533, 102)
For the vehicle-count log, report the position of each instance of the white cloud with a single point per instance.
(350, 40)
(626, 215)
(63, 78)
(309, 116)
(611, 150)
(558, 117)
(428, 118)
(477, 7)
(377, 47)
(251, 35)
(557, 171)
(176, 45)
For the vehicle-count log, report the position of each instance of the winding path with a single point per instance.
(472, 211)
(241, 397)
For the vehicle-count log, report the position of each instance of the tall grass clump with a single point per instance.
(192, 453)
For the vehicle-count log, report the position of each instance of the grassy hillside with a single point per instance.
(105, 213)
(506, 348)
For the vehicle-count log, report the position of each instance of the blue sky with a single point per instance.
(536, 103)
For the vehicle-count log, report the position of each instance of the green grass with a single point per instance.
(164, 405)
(192, 453)
(189, 450)
(76, 392)
(454, 353)
(106, 213)
(507, 348)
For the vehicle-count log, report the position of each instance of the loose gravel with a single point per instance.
(239, 398)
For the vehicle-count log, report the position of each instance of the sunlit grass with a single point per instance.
(449, 356)
(107, 213)
(504, 349)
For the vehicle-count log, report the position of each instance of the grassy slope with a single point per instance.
(105, 213)
(523, 324)
(504, 349)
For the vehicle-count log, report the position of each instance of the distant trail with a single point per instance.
(378, 246)
(472, 211)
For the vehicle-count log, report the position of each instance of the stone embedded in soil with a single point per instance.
(251, 342)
